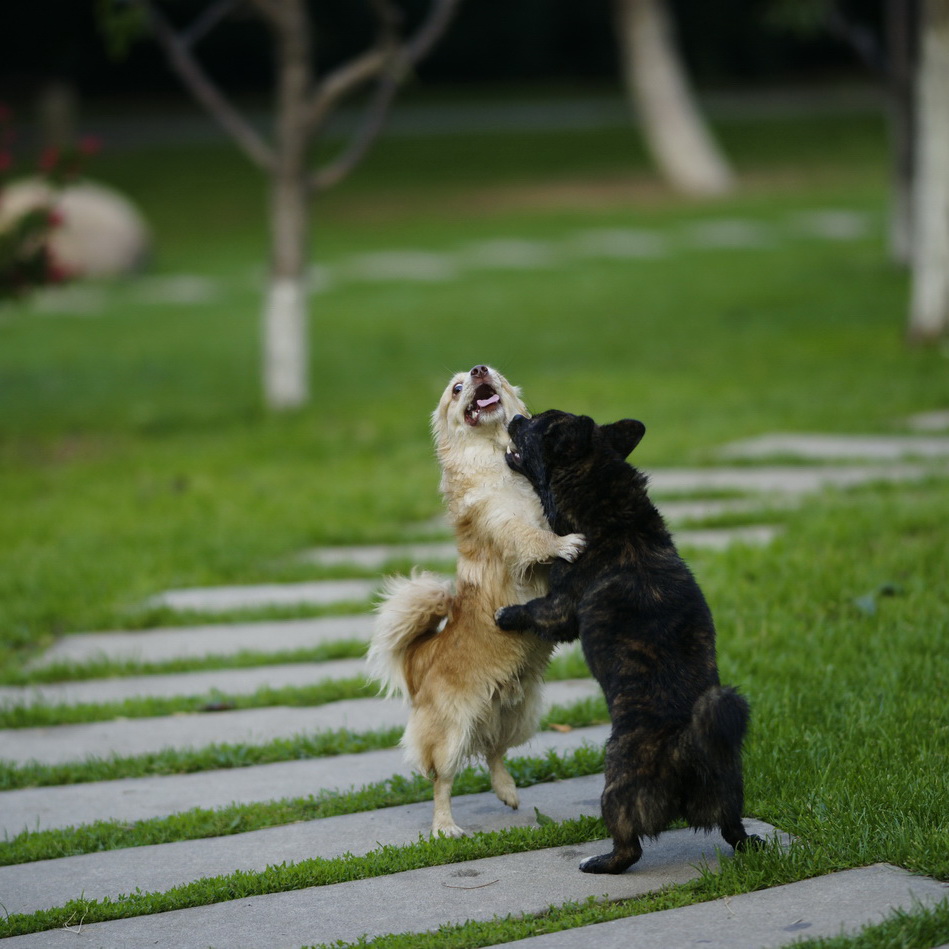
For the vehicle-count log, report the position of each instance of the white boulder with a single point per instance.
(100, 232)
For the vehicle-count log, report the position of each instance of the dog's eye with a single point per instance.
(457, 389)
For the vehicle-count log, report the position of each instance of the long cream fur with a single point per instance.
(474, 690)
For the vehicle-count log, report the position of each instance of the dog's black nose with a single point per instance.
(479, 371)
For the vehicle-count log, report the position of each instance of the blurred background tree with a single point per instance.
(661, 95)
(304, 102)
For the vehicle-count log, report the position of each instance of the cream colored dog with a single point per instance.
(474, 690)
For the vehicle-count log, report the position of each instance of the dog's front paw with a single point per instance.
(571, 546)
(511, 618)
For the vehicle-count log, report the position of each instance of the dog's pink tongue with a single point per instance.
(484, 403)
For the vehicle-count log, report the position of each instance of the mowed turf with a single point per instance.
(135, 455)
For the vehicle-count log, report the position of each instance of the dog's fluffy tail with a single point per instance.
(719, 723)
(411, 607)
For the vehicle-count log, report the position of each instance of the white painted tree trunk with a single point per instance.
(286, 343)
(659, 91)
(286, 339)
(929, 302)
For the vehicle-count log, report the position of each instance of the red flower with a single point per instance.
(6, 160)
(90, 145)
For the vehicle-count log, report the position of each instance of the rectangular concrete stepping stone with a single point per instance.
(774, 479)
(133, 799)
(826, 906)
(412, 901)
(701, 509)
(834, 447)
(225, 681)
(935, 421)
(719, 538)
(46, 883)
(254, 726)
(376, 556)
(223, 599)
(200, 642)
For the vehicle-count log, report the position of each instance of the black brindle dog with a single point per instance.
(647, 634)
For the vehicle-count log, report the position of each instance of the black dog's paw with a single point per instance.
(751, 842)
(611, 862)
(512, 618)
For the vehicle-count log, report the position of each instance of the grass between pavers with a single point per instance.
(314, 872)
(579, 714)
(241, 818)
(920, 928)
(569, 665)
(104, 668)
(321, 693)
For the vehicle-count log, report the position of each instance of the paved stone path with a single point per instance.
(425, 265)
(418, 899)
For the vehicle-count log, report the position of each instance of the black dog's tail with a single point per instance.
(719, 723)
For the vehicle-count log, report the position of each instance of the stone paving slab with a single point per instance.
(720, 538)
(833, 447)
(412, 901)
(201, 642)
(223, 599)
(702, 509)
(254, 726)
(191, 684)
(935, 421)
(778, 479)
(46, 883)
(821, 907)
(376, 557)
(133, 799)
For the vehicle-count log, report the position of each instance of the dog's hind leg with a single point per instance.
(738, 838)
(618, 806)
(445, 762)
(442, 820)
(502, 782)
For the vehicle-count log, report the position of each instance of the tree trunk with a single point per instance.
(659, 91)
(902, 30)
(929, 304)
(285, 322)
(286, 340)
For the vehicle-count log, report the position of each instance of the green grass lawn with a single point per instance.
(135, 455)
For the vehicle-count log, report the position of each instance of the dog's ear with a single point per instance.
(624, 435)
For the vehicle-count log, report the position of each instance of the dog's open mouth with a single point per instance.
(513, 458)
(486, 400)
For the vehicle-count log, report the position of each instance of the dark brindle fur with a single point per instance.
(647, 634)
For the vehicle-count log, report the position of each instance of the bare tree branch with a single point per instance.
(269, 9)
(205, 91)
(351, 76)
(431, 30)
(206, 22)
(391, 63)
(375, 117)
